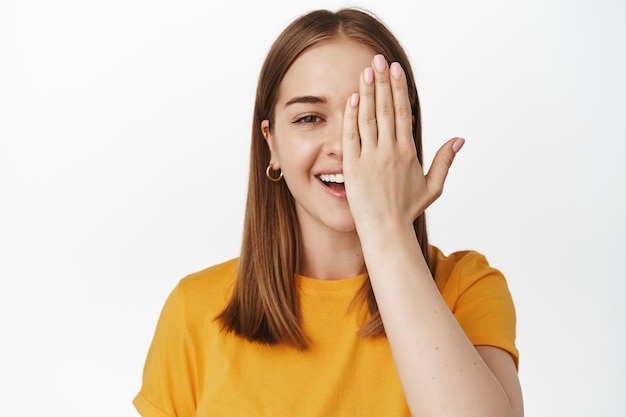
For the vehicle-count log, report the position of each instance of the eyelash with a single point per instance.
(303, 119)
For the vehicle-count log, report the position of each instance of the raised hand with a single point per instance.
(385, 184)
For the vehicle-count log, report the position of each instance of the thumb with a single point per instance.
(442, 162)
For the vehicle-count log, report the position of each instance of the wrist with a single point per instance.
(388, 239)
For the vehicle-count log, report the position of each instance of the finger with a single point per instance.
(351, 138)
(384, 100)
(442, 162)
(401, 106)
(368, 128)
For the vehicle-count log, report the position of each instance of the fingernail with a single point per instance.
(396, 70)
(354, 100)
(368, 76)
(380, 63)
(458, 144)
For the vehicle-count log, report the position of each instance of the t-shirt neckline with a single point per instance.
(351, 284)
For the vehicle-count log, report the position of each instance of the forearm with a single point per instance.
(442, 374)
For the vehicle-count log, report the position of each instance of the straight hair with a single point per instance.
(264, 305)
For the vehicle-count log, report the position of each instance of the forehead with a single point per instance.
(330, 69)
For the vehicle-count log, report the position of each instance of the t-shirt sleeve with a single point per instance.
(484, 307)
(168, 376)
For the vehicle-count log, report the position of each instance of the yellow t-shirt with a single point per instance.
(194, 369)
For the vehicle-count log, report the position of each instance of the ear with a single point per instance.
(269, 138)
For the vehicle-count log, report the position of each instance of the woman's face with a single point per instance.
(306, 139)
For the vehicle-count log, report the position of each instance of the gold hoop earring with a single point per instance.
(268, 174)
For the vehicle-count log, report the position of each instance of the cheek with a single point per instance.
(297, 157)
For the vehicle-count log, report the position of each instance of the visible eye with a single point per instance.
(308, 119)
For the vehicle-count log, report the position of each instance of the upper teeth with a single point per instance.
(332, 178)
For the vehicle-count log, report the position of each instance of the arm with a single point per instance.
(442, 374)
(167, 386)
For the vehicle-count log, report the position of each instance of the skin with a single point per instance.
(359, 124)
(304, 148)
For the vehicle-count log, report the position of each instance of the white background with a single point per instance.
(124, 137)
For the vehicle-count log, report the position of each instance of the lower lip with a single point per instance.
(334, 193)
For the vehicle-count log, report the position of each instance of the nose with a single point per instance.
(333, 142)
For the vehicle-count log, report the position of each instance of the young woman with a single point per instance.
(338, 305)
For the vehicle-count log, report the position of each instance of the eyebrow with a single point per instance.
(306, 100)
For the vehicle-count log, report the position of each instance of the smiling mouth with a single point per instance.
(333, 181)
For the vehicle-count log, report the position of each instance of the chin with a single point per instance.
(343, 225)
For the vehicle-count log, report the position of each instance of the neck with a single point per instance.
(331, 255)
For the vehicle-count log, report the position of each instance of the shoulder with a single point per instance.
(206, 292)
(217, 275)
(478, 296)
(458, 271)
(185, 326)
